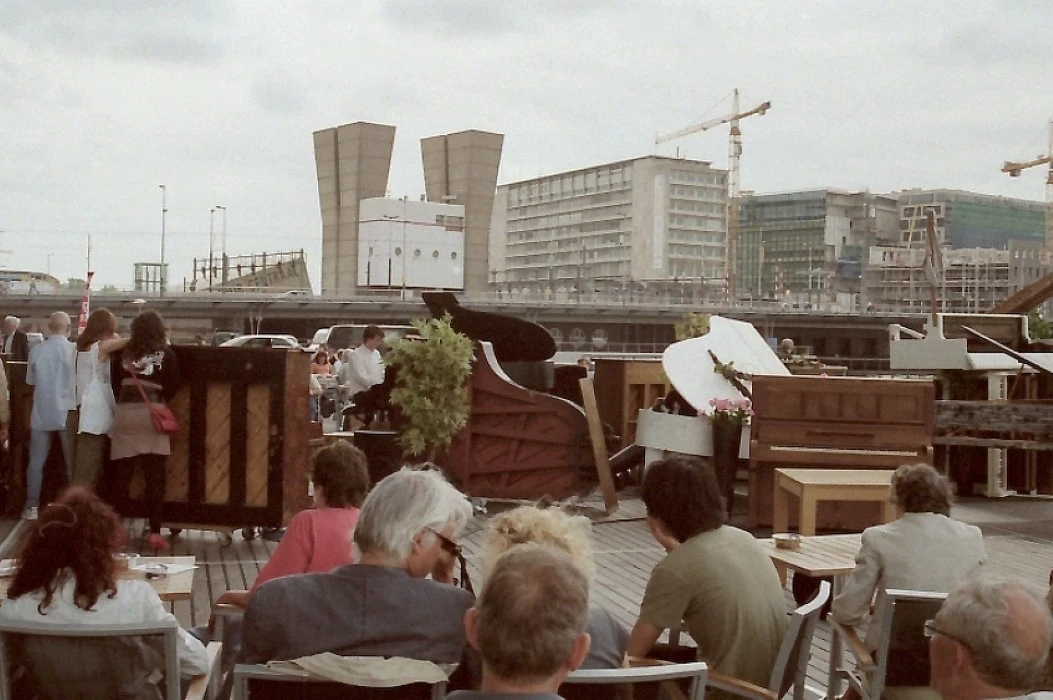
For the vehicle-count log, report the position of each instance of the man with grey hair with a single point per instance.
(16, 342)
(383, 605)
(990, 639)
(529, 624)
(50, 372)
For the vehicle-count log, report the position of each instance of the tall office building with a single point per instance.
(352, 163)
(651, 222)
(461, 168)
(971, 220)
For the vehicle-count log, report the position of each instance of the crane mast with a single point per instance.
(1014, 168)
(734, 158)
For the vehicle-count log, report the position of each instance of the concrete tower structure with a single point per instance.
(461, 168)
(352, 162)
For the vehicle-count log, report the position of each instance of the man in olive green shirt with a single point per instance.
(715, 578)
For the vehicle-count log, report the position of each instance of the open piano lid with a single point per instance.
(513, 339)
(689, 367)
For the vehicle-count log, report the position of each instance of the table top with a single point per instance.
(838, 477)
(170, 588)
(819, 555)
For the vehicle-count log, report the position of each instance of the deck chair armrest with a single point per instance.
(643, 661)
(738, 687)
(864, 659)
(205, 687)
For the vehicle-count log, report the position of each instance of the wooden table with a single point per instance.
(814, 485)
(169, 588)
(827, 555)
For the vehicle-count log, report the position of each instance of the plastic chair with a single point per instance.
(102, 661)
(901, 616)
(791, 664)
(257, 682)
(655, 672)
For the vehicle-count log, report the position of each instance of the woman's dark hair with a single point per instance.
(684, 494)
(341, 471)
(77, 534)
(101, 323)
(918, 488)
(149, 335)
(319, 357)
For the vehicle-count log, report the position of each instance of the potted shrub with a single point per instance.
(431, 387)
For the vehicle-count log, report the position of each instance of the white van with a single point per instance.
(350, 335)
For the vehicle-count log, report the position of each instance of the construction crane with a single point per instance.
(1014, 169)
(734, 156)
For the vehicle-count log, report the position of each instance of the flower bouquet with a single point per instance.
(731, 411)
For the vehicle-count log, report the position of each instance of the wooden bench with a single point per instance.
(835, 423)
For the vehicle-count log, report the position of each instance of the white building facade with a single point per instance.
(647, 222)
(406, 245)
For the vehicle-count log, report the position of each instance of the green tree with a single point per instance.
(1038, 327)
(431, 389)
(692, 326)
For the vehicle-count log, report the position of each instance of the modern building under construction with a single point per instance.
(283, 271)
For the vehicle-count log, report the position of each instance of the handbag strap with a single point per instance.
(139, 385)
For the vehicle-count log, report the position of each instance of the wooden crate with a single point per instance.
(623, 387)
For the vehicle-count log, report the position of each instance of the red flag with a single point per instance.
(85, 304)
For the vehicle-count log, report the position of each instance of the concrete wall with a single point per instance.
(461, 168)
(352, 163)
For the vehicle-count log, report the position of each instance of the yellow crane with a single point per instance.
(734, 156)
(1014, 169)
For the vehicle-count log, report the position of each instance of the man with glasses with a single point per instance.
(990, 639)
(384, 604)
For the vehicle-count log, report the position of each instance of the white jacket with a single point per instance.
(919, 551)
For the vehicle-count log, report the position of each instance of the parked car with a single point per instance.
(350, 335)
(284, 342)
(220, 337)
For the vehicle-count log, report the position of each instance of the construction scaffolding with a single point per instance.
(259, 272)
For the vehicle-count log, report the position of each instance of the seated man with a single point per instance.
(716, 578)
(529, 624)
(990, 639)
(383, 605)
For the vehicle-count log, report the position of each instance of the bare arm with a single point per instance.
(106, 347)
(642, 639)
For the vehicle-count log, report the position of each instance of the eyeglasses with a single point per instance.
(448, 545)
(931, 629)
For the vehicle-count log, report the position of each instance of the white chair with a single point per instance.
(655, 672)
(791, 664)
(901, 616)
(255, 681)
(103, 662)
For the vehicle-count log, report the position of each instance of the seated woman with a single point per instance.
(924, 549)
(67, 576)
(555, 528)
(319, 539)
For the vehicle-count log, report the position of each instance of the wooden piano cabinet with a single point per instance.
(623, 387)
(242, 456)
(835, 423)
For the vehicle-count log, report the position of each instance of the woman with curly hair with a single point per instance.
(319, 539)
(924, 550)
(67, 575)
(135, 442)
(553, 527)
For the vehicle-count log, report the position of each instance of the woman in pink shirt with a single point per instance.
(319, 539)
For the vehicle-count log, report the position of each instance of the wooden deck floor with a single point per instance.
(1018, 533)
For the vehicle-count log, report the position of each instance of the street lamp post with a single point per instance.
(164, 215)
(211, 246)
(223, 244)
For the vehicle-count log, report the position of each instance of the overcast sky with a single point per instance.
(102, 101)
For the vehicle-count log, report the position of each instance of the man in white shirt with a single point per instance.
(50, 372)
(363, 368)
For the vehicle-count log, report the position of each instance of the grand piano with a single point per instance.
(521, 441)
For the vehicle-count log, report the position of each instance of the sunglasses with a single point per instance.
(454, 550)
(931, 629)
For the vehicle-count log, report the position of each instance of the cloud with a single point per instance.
(185, 32)
(481, 20)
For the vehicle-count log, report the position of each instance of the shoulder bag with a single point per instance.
(165, 421)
